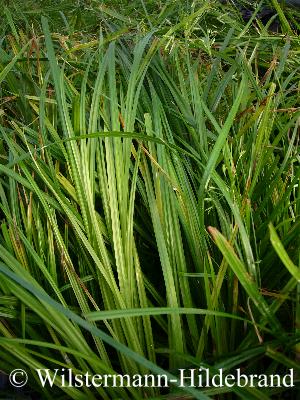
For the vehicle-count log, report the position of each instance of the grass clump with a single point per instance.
(150, 200)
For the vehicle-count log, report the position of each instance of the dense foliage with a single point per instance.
(149, 194)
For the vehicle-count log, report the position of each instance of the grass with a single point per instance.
(149, 196)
